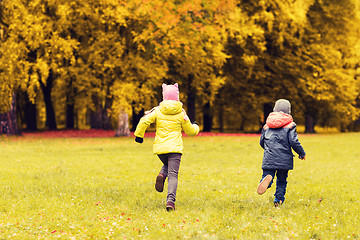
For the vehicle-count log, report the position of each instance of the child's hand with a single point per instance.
(139, 139)
(302, 158)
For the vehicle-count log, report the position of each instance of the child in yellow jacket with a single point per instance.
(170, 119)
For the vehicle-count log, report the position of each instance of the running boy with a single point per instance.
(278, 137)
(170, 120)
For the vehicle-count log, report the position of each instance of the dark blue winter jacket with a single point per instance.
(278, 137)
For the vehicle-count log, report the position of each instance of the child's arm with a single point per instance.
(262, 137)
(143, 124)
(189, 129)
(295, 144)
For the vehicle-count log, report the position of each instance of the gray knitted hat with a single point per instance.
(282, 105)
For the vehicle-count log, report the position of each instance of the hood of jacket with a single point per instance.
(278, 120)
(170, 107)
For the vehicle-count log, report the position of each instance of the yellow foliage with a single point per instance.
(121, 49)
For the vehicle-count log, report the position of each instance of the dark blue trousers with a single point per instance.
(281, 182)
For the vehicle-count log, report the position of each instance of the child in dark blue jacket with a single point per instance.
(278, 138)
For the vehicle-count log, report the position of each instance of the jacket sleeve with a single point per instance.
(294, 142)
(262, 137)
(189, 128)
(144, 123)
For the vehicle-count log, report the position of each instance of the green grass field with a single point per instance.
(103, 188)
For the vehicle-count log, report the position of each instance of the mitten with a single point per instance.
(139, 139)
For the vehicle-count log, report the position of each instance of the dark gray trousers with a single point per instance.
(170, 170)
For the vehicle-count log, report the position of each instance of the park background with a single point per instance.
(100, 64)
(97, 65)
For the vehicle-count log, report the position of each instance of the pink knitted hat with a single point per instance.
(170, 92)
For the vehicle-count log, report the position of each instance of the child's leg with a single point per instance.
(164, 169)
(160, 179)
(173, 170)
(268, 172)
(281, 183)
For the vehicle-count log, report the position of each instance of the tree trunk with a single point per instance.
(191, 99)
(70, 106)
(241, 123)
(220, 110)
(96, 115)
(99, 119)
(70, 116)
(4, 124)
(30, 115)
(123, 125)
(309, 123)
(136, 118)
(95, 121)
(105, 114)
(8, 122)
(207, 117)
(47, 90)
(221, 118)
(15, 128)
(267, 107)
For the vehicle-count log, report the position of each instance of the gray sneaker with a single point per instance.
(264, 184)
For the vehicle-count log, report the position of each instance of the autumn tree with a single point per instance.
(8, 119)
(109, 58)
(295, 50)
(240, 98)
(124, 58)
(40, 47)
(190, 36)
(329, 89)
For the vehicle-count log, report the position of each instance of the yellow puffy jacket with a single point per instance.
(170, 120)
